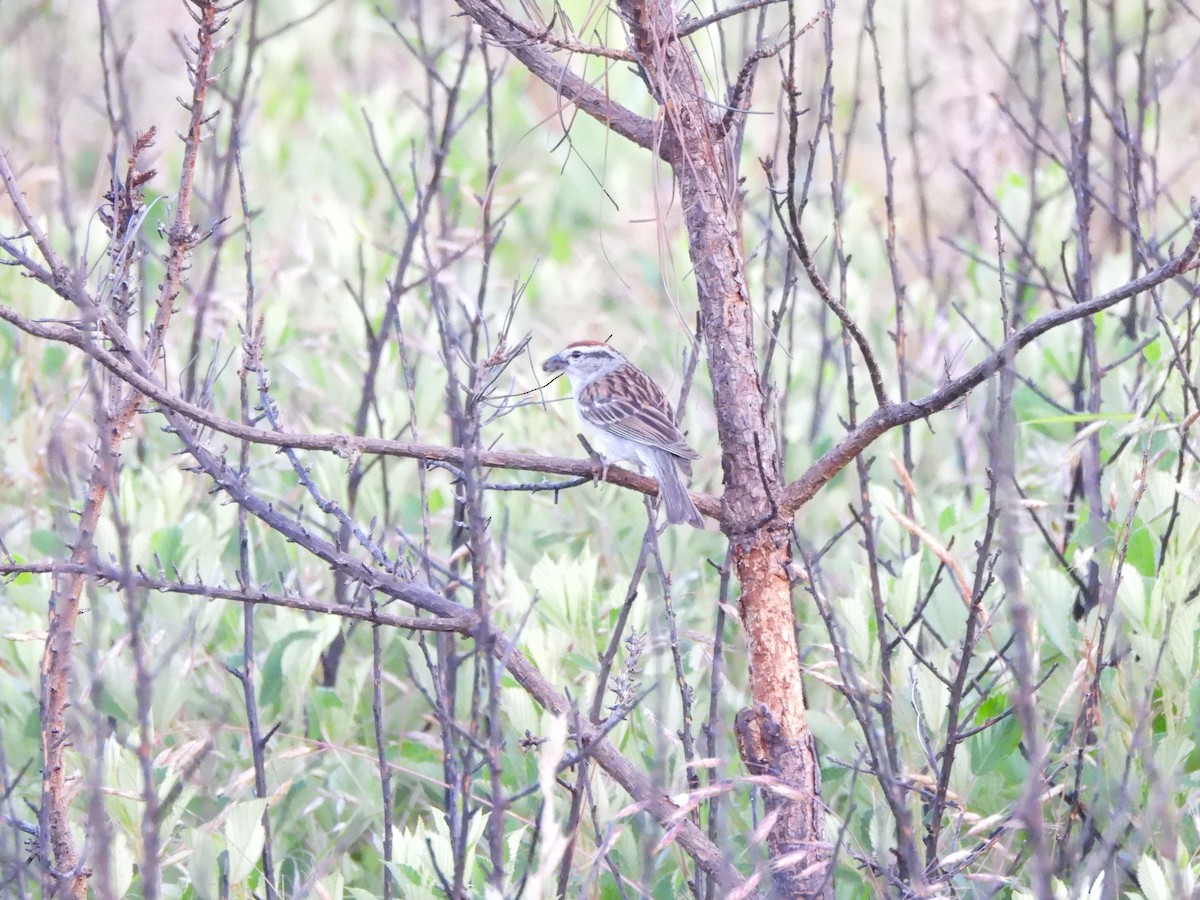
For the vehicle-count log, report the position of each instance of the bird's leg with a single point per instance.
(599, 463)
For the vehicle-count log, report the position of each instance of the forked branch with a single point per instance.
(893, 415)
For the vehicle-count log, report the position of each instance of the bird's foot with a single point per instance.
(599, 463)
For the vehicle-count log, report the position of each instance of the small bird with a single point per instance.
(626, 417)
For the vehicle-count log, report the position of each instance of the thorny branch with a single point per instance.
(131, 370)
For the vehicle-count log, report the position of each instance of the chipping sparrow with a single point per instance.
(626, 417)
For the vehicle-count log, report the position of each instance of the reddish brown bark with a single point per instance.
(702, 155)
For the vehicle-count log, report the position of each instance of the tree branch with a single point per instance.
(893, 415)
(588, 98)
(462, 622)
(343, 445)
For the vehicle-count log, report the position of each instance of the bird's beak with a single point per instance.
(554, 364)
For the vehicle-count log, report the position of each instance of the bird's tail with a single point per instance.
(680, 507)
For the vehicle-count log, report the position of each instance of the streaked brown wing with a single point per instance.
(630, 405)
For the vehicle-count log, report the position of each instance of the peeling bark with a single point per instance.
(702, 156)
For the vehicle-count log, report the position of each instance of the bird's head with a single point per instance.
(584, 361)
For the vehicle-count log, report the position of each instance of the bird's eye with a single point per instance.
(575, 354)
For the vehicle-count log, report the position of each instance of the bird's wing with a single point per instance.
(628, 404)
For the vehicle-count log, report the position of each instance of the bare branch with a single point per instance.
(691, 26)
(892, 415)
(566, 83)
(343, 445)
